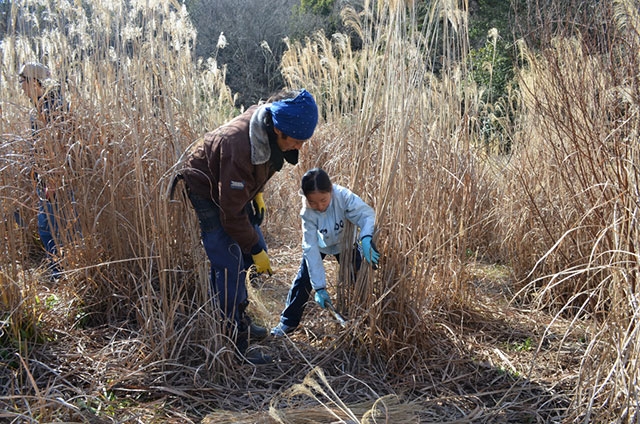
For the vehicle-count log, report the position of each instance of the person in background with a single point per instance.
(49, 111)
(225, 175)
(325, 209)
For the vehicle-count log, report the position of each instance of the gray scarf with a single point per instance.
(260, 149)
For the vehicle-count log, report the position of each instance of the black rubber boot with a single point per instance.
(248, 332)
(255, 331)
(254, 355)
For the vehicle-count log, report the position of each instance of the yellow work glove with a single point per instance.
(261, 261)
(259, 208)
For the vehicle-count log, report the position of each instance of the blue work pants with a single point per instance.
(48, 231)
(52, 216)
(228, 264)
(301, 289)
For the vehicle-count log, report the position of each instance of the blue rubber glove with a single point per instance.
(322, 297)
(369, 252)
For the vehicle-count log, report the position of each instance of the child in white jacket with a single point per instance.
(325, 210)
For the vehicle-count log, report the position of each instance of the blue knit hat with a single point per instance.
(296, 117)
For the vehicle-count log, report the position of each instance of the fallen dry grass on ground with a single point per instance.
(485, 367)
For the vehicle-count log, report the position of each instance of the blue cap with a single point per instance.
(296, 117)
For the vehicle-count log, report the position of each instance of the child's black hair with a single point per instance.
(316, 179)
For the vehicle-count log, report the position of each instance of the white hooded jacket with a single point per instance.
(322, 232)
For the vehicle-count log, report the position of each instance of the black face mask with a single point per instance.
(291, 156)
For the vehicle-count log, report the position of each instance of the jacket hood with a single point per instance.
(259, 136)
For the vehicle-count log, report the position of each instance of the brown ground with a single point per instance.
(483, 368)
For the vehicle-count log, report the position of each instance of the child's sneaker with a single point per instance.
(281, 329)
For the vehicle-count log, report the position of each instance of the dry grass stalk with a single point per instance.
(574, 188)
(135, 106)
(408, 157)
(398, 138)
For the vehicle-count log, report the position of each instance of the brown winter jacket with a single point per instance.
(220, 167)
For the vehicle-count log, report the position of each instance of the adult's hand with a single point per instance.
(261, 261)
(259, 208)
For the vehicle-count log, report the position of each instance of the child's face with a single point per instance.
(319, 200)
